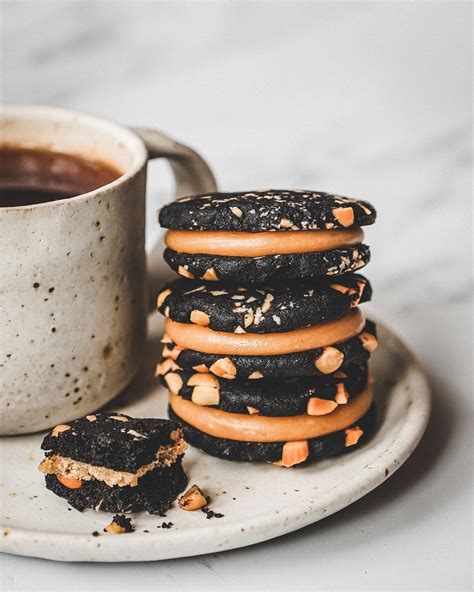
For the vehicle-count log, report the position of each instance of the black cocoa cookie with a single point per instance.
(318, 448)
(280, 397)
(154, 493)
(273, 308)
(273, 209)
(355, 350)
(111, 440)
(258, 270)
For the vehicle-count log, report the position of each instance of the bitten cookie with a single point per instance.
(115, 463)
(238, 236)
(315, 395)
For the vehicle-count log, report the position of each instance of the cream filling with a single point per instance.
(259, 244)
(62, 466)
(206, 340)
(260, 428)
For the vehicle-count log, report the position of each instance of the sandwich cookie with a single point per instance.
(285, 441)
(314, 395)
(315, 361)
(265, 235)
(115, 463)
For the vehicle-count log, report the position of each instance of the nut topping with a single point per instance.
(184, 271)
(345, 216)
(165, 367)
(174, 382)
(119, 418)
(342, 397)
(369, 342)
(248, 318)
(162, 296)
(224, 367)
(255, 374)
(201, 368)
(353, 435)
(329, 361)
(203, 380)
(317, 406)
(210, 275)
(172, 354)
(253, 410)
(200, 318)
(267, 302)
(59, 429)
(205, 395)
(193, 499)
(236, 211)
(293, 453)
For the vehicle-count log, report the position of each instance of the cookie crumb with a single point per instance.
(211, 514)
(120, 524)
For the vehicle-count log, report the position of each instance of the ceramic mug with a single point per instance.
(72, 272)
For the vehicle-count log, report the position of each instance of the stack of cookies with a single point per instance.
(265, 348)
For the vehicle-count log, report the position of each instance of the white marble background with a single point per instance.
(360, 98)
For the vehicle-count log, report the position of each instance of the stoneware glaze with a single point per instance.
(259, 501)
(72, 272)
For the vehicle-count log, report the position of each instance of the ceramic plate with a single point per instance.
(259, 502)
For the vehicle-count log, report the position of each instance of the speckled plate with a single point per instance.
(259, 502)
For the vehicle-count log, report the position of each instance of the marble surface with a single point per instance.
(365, 99)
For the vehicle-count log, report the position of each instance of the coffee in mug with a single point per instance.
(29, 176)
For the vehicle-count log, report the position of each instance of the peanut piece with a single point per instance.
(224, 367)
(193, 499)
(329, 361)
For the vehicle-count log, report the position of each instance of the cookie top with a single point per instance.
(275, 397)
(270, 210)
(274, 308)
(112, 440)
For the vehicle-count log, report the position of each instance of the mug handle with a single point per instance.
(191, 172)
(192, 176)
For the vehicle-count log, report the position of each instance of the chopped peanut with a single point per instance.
(317, 406)
(329, 361)
(224, 367)
(200, 318)
(353, 435)
(193, 499)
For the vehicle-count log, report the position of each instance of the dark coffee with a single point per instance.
(29, 176)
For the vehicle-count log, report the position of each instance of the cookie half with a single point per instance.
(316, 361)
(273, 308)
(315, 395)
(269, 210)
(253, 270)
(312, 449)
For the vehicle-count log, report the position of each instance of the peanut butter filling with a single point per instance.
(62, 466)
(207, 341)
(258, 428)
(259, 244)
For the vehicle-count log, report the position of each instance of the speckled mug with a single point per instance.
(72, 272)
